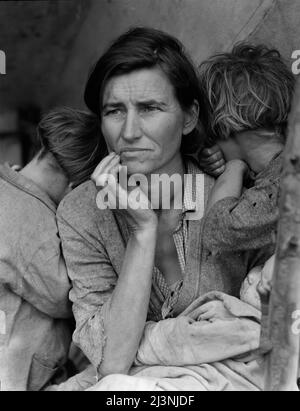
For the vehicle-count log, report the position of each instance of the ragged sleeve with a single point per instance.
(40, 276)
(93, 281)
(245, 223)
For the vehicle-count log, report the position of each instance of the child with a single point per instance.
(258, 283)
(212, 346)
(35, 335)
(249, 93)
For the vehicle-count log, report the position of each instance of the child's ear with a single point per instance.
(191, 118)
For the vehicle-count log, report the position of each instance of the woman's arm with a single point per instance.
(129, 303)
(127, 312)
(110, 308)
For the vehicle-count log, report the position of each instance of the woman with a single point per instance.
(131, 264)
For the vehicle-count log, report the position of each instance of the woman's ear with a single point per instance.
(191, 118)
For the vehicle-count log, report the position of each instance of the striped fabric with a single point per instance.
(169, 295)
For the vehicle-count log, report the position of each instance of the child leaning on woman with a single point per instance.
(249, 93)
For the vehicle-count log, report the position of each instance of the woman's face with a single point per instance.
(143, 121)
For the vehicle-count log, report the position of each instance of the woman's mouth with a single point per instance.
(132, 150)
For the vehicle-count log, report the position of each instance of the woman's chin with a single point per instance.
(136, 167)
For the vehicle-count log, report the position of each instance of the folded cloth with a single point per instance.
(186, 341)
(187, 353)
(80, 382)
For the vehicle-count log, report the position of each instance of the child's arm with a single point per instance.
(248, 222)
(229, 184)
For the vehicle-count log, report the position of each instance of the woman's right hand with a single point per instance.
(134, 204)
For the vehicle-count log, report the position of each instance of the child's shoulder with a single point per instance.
(272, 173)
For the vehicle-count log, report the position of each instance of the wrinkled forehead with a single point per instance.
(139, 85)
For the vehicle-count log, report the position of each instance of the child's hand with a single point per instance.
(213, 310)
(212, 161)
(15, 167)
(265, 285)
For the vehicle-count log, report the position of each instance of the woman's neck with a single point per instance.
(164, 185)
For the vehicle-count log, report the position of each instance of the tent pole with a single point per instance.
(284, 318)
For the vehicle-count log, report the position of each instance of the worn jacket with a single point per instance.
(94, 243)
(249, 222)
(34, 306)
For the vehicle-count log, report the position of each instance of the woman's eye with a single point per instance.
(114, 112)
(149, 109)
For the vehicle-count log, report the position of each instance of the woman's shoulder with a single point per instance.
(81, 204)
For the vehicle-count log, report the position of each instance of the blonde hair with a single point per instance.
(248, 89)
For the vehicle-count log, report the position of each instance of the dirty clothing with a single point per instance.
(35, 334)
(190, 354)
(249, 222)
(94, 244)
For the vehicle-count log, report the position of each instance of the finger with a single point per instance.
(216, 165)
(219, 171)
(113, 165)
(108, 178)
(105, 170)
(16, 167)
(122, 194)
(114, 171)
(212, 158)
(263, 290)
(267, 284)
(204, 308)
(210, 150)
(195, 314)
(102, 180)
(215, 173)
(104, 163)
(207, 316)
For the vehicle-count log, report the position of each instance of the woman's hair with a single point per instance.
(249, 88)
(140, 48)
(73, 138)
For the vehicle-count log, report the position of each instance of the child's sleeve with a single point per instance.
(247, 223)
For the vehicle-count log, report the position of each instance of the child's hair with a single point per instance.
(74, 139)
(248, 89)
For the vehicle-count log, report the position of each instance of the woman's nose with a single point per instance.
(131, 127)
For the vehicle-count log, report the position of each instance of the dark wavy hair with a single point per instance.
(73, 138)
(249, 88)
(143, 47)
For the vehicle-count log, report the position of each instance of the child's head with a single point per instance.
(250, 88)
(71, 140)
